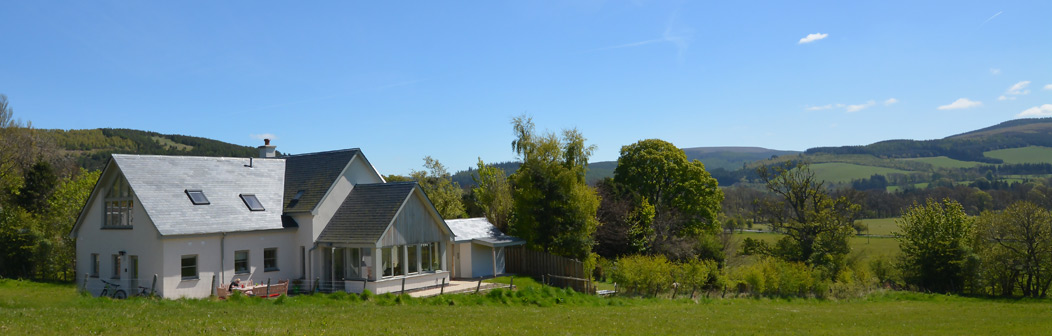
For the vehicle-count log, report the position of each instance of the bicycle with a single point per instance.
(117, 292)
(143, 291)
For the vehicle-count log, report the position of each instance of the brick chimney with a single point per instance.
(266, 151)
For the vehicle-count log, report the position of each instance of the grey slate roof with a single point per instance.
(159, 182)
(482, 231)
(313, 173)
(366, 212)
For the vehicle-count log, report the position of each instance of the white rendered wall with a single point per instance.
(220, 265)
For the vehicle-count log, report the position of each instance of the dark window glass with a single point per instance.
(197, 197)
(252, 202)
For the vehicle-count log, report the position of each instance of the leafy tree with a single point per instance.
(397, 178)
(935, 248)
(438, 184)
(816, 226)
(40, 182)
(660, 174)
(1015, 248)
(493, 194)
(554, 209)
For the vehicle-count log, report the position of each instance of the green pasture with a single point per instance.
(838, 172)
(866, 248)
(44, 309)
(944, 162)
(880, 226)
(1030, 154)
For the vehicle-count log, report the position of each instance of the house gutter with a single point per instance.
(222, 259)
(310, 263)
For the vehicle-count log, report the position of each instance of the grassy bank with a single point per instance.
(32, 308)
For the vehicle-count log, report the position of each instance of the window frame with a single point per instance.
(116, 263)
(272, 265)
(190, 194)
(245, 198)
(118, 205)
(412, 256)
(183, 267)
(247, 266)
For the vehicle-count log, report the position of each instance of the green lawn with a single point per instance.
(1030, 154)
(944, 162)
(42, 309)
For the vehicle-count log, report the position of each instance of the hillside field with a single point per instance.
(839, 172)
(1031, 154)
(866, 248)
(28, 308)
(944, 162)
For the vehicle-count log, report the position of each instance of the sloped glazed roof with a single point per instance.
(159, 183)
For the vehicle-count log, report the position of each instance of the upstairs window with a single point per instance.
(252, 202)
(197, 197)
(119, 203)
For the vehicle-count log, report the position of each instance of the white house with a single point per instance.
(478, 249)
(323, 219)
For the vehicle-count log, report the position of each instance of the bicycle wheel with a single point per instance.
(120, 294)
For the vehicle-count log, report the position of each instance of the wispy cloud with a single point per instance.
(890, 101)
(1048, 86)
(995, 71)
(1004, 97)
(812, 37)
(1036, 111)
(1019, 88)
(991, 18)
(961, 103)
(860, 107)
(262, 136)
(675, 33)
(819, 108)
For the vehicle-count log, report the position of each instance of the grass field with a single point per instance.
(837, 172)
(880, 226)
(1031, 154)
(944, 162)
(44, 309)
(865, 247)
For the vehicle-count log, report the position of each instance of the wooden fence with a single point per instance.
(548, 268)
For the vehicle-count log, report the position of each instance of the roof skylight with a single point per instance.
(197, 197)
(252, 202)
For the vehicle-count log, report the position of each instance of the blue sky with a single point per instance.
(402, 80)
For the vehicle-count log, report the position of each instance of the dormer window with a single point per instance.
(252, 202)
(197, 197)
(119, 202)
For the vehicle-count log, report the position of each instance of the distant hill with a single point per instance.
(91, 148)
(732, 158)
(968, 146)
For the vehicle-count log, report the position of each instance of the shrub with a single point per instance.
(643, 275)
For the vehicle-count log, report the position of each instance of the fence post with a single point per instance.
(511, 285)
(268, 288)
(479, 286)
(403, 286)
(212, 289)
(443, 290)
(153, 288)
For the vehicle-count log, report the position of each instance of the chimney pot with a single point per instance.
(266, 142)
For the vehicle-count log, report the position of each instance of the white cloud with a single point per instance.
(962, 103)
(890, 101)
(995, 72)
(812, 37)
(1048, 87)
(991, 18)
(1004, 97)
(270, 136)
(1036, 111)
(819, 108)
(1019, 88)
(860, 107)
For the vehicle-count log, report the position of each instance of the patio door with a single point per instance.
(133, 274)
